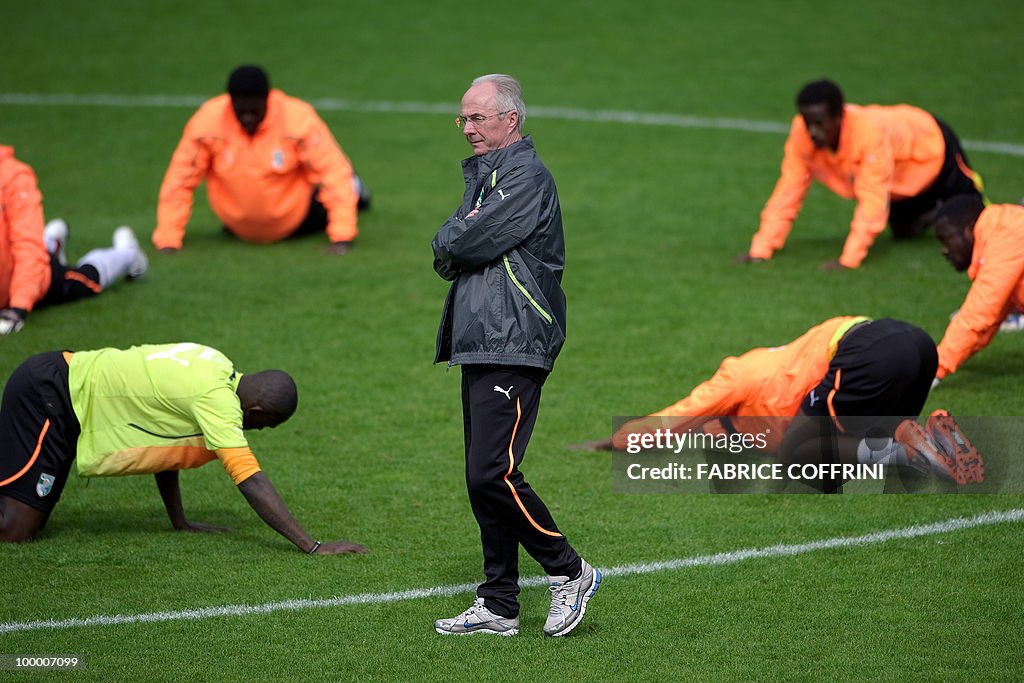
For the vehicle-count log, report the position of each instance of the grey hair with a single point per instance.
(509, 96)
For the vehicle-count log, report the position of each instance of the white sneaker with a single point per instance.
(55, 236)
(124, 238)
(1013, 323)
(569, 600)
(477, 619)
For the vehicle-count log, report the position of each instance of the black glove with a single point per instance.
(12, 320)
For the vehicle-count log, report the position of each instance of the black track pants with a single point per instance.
(499, 407)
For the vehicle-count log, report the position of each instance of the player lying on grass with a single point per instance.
(841, 370)
(33, 262)
(145, 410)
(988, 243)
(899, 163)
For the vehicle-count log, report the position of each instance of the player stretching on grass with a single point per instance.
(834, 382)
(988, 243)
(145, 410)
(272, 169)
(33, 262)
(898, 162)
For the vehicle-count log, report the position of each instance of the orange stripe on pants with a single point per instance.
(32, 460)
(511, 466)
(78, 277)
(964, 168)
(831, 395)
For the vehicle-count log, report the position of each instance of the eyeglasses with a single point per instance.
(476, 119)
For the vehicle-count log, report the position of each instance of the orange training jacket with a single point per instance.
(883, 152)
(997, 269)
(24, 264)
(763, 382)
(258, 186)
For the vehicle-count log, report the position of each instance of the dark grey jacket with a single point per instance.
(506, 304)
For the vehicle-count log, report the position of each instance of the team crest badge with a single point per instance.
(44, 485)
(277, 159)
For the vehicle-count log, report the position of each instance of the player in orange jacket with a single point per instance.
(897, 162)
(33, 265)
(761, 388)
(988, 243)
(272, 169)
(859, 378)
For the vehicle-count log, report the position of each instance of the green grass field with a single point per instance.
(653, 216)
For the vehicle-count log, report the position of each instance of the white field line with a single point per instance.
(542, 112)
(731, 557)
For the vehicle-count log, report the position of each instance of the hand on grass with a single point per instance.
(339, 548)
(832, 266)
(11, 320)
(747, 258)
(339, 248)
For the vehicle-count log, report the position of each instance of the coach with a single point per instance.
(504, 323)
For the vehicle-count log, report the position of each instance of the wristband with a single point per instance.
(316, 544)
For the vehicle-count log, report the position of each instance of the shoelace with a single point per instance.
(559, 597)
(473, 609)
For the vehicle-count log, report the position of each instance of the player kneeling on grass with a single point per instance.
(864, 410)
(844, 366)
(33, 263)
(145, 410)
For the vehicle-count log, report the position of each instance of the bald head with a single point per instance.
(268, 398)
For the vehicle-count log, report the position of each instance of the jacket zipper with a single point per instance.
(544, 314)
